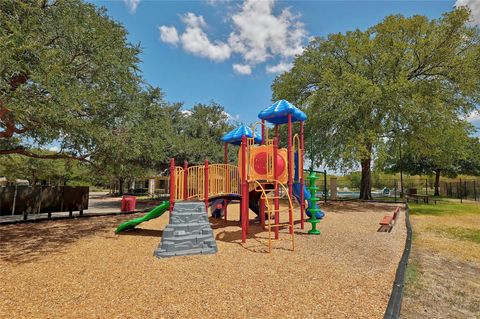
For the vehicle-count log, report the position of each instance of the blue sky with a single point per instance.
(198, 51)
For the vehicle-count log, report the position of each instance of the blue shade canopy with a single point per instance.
(277, 113)
(235, 136)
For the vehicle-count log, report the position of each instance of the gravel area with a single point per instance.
(81, 269)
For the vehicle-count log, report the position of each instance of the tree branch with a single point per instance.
(24, 152)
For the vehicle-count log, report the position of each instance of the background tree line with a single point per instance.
(395, 96)
(70, 78)
(407, 84)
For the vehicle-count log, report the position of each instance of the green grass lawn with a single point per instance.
(444, 208)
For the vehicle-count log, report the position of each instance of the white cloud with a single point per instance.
(168, 34)
(242, 69)
(54, 149)
(131, 5)
(474, 6)
(258, 35)
(279, 68)
(193, 21)
(195, 40)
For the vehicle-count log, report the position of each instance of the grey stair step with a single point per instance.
(188, 233)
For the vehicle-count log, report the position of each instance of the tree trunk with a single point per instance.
(366, 182)
(121, 185)
(437, 182)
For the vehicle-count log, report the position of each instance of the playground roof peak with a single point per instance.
(235, 136)
(277, 113)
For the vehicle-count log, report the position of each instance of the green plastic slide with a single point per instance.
(154, 213)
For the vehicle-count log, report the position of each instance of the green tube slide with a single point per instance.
(154, 213)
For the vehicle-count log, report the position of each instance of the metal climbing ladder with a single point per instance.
(273, 209)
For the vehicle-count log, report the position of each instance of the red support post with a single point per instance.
(206, 186)
(262, 212)
(185, 179)
(244, 185)
(227, 179)
(275, 184)
(301, 176)
(172, 185)
(290, 168)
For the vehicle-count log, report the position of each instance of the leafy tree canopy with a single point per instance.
(367, 90)
(69, 77)
(45, 171)
(66, 75)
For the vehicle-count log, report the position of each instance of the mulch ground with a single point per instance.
(81, 269)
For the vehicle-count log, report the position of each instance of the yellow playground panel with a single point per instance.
(260, 163)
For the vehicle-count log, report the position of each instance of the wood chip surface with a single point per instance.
(81, 269)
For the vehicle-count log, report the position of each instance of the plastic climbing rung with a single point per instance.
(265, 190)
(271, 197)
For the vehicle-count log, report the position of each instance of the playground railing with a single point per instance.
(223, 179)
(196, 182)
(179, 184)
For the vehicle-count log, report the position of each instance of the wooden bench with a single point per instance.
(387, 222)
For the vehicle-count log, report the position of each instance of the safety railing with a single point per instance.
(269, 144)
(297, 149)
(179, 184)
(223, 179)
(196, 182)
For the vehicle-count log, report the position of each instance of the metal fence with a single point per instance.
(461, 189)
(391, 189)
(384, 189)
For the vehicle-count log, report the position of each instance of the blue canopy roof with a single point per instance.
(235, 136)
(277, 113)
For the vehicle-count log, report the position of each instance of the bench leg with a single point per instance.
(383, 229)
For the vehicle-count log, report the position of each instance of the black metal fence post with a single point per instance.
(325, 185)
(426, 186)
(395, 189)
(25, 213)
(475, 189)
(460, 190)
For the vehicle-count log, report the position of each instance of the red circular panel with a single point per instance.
(260, 164)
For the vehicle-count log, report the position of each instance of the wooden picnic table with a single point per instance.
(416, 197)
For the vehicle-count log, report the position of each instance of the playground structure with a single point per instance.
(265, 174)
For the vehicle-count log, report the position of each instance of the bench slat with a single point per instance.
(387, 219)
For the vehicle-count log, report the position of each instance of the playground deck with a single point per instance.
(80, 268)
